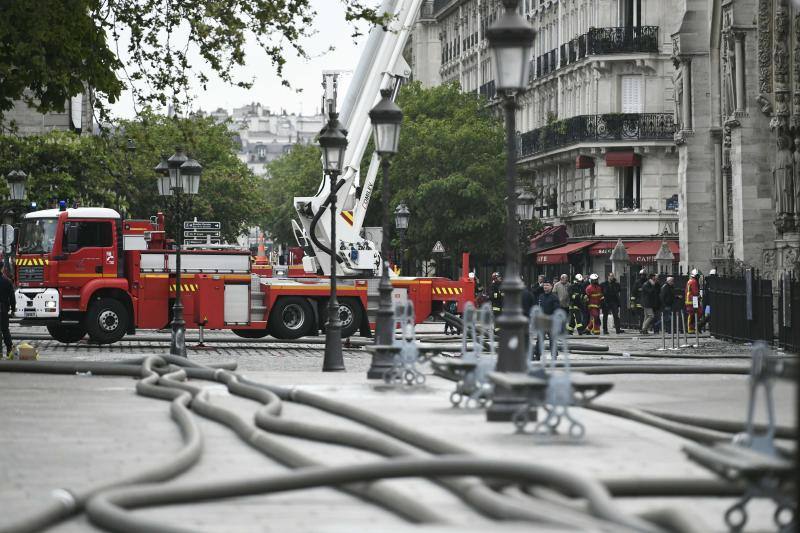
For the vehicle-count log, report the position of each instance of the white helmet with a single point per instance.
(694, 273)
(594, 276)
(642, 272)
(578, 277)
(712, 272)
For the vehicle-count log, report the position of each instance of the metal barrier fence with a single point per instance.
(789, 313)
(741, 307)
(630, 315)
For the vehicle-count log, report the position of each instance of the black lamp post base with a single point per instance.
(334, 360)
(382, 360)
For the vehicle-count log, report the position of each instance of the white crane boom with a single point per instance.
(381, 66)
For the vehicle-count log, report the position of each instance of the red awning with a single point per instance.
(560, 255)
(645, 251)
(623, 159)
(584, 161)
(549, 237)
(602, 249)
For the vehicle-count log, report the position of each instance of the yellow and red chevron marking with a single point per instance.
(450, 291)
(185, 287)
(348, 217)
(32, 262)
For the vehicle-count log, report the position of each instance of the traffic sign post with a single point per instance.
(201, 225)
(199, 232)
(438, 252)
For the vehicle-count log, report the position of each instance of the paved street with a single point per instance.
(74, 431)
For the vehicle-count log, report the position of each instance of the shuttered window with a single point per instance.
(631, 94)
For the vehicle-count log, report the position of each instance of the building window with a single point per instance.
(631, 94)
(630, 188)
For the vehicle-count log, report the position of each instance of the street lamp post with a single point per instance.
(401, 217)
(16, 193)
(179, 178)
(333, 143)
(510, 40)
(386, 118)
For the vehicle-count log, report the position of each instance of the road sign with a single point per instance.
(201, 225)
(438, 248)
(202, 241)
(194, 234)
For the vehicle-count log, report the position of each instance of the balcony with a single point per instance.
(488, 90)
(600, 41)
(611, 127)
(627, 203)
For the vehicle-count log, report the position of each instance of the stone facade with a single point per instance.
(596, 121)
(740, 151)
(265, 136)
(23, 120)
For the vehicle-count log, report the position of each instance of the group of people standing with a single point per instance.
(654, 301)
(658, 303)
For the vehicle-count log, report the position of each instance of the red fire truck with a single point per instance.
(85, 270)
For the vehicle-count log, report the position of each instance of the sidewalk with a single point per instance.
(72, 431)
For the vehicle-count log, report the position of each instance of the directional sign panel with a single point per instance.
(201, 225)
(201, 241)
(200, 234)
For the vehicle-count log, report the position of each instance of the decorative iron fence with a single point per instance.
(598, 128)
(741, 307)
(789, 313)
(632, 316)
(615, 40)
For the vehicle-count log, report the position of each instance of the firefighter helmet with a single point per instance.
(712, 272)
(694, 273)
(578, 277)
(594, 277)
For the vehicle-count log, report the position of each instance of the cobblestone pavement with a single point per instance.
(73, 431)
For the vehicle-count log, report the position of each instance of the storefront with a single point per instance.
(593, 256)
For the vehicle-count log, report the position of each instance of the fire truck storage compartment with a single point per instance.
(237, 303)
(196, 262)
(209, 301)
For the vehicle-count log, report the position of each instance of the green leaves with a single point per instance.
(51, 50)
(101, 172)
(297, 173)
(449, 171)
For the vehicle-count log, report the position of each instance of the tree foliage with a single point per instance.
(449, 172)
(50, 48)
(297, 173)
(101, 171)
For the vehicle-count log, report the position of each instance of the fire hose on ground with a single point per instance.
(268, 419)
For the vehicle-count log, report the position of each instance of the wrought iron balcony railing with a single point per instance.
(488, 90)
(627, 203)
(622, 39)
(599, 41)
(597, 128)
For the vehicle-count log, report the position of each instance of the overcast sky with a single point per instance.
(306, 75)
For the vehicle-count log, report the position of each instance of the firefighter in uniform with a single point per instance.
(594, 295)
(692, 292)
(576, 299)
(496, 293)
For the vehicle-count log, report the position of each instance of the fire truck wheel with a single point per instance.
(349, 316)
(250, 333)
(107, 321)
(66, 334)
(291, 318)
